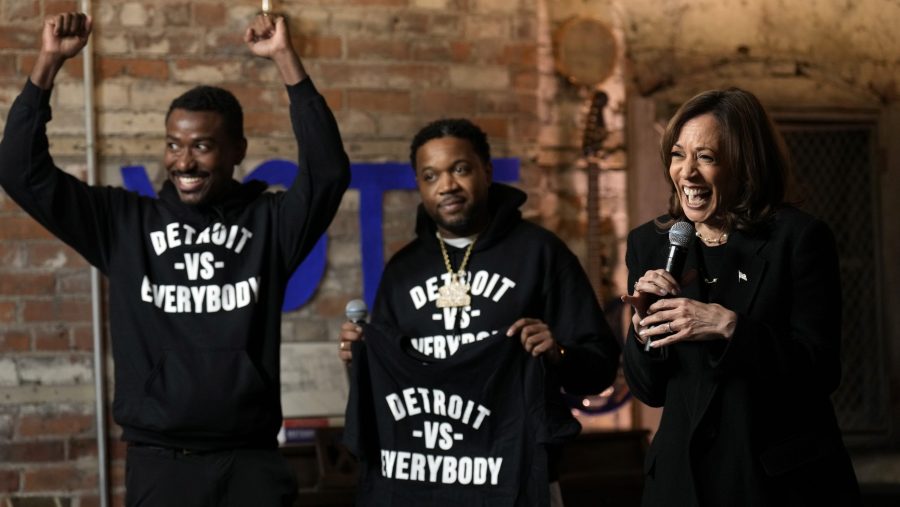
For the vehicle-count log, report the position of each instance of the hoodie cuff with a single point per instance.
(35, 96)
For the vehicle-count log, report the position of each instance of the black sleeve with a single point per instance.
(591, 359)
(78, 214)
(311, 202)
(383, 313)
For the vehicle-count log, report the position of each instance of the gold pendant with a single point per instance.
(454, 294)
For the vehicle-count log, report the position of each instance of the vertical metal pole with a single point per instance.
(96, 301)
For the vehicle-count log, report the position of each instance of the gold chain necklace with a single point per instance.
(455, 292)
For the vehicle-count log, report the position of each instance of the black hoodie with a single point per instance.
(460, 431)
(516, 269)
(195, 292)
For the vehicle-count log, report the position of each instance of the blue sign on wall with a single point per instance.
(372, 180)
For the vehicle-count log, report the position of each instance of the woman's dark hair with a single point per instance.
(750, 147)
(452, 127)
(215, 99)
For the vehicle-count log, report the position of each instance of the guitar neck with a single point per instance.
(594, 134)
(595, 264)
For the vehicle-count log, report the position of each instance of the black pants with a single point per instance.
(159, 477)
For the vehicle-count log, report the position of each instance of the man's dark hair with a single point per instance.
(452, 127)
(215, 99)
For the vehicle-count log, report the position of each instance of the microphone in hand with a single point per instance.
(680, 236)
(356, 311)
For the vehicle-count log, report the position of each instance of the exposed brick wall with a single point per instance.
(560, 185)
(47, 432)
(386, 67)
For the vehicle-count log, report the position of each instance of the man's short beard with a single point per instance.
(460, 228)
(468, 225)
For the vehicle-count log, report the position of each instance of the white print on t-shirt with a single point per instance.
(201, 298)
(465, 470)
(444, 346)
(420, 400)
(413, 466)
(206, 298)
(481, 283)
(484, 286)
(176, 234)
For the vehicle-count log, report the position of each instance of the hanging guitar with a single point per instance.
(593, 135)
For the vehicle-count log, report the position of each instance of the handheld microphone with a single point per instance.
(356, 310)
(680, 236)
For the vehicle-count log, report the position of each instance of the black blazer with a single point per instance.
(749, 421)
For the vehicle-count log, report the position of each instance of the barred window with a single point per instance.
(836, 170)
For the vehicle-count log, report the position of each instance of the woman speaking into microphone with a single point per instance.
(742, 347)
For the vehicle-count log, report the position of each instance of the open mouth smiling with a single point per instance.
(189, 182)
(696, 196)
